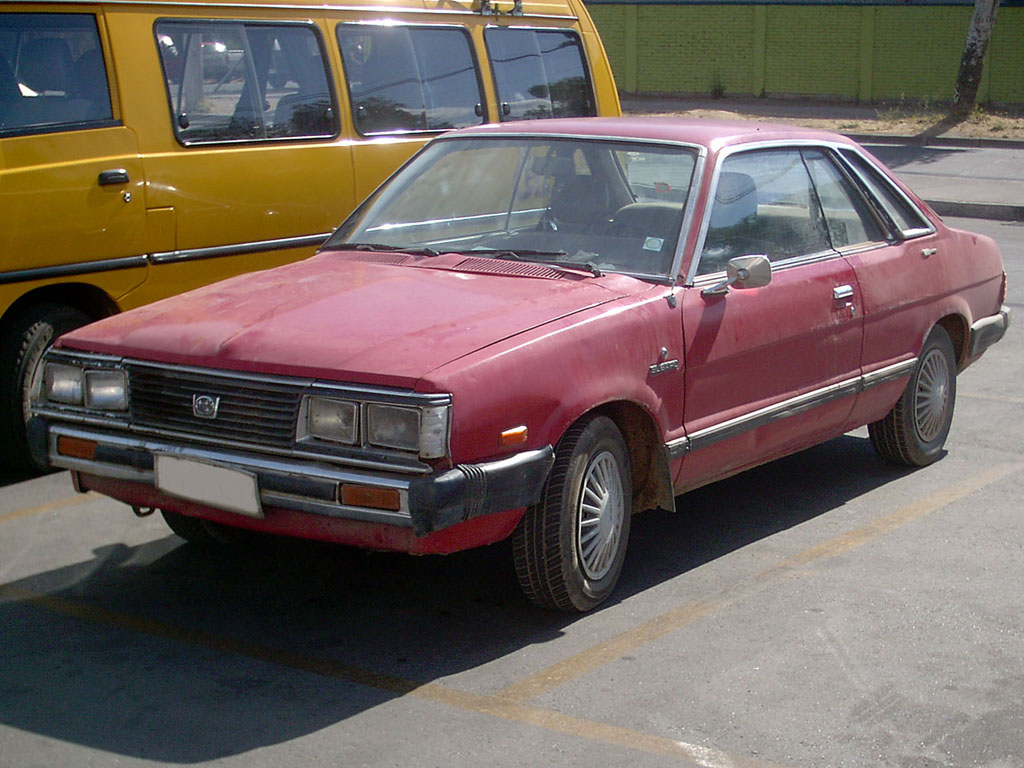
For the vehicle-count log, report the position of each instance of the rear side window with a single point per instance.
(52, 73)
(403, 79)
(539, 73)
(908, 220)
(245, 82)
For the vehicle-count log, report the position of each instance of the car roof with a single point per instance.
(713, 134)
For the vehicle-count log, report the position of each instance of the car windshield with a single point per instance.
(594, 204)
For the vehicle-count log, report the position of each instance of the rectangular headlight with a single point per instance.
(334, 420)
(106, 390)
(392, 426)
(63, 383)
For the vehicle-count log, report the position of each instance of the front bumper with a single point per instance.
(425, 503)
(989, 330)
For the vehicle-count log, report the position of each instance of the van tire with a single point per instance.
(23, 346)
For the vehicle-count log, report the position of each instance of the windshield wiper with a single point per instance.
(388, 248)
(551, 258)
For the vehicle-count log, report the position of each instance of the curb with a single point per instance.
(934, 141)
(966, 210)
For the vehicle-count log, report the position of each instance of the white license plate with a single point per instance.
(209, 484)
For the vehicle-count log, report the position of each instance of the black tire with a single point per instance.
(557, 564)
(201, 532)
(21, 349)
(915, 430)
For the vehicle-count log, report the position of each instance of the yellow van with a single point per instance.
(148, 148)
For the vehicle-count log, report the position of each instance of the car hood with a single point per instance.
(340, 316)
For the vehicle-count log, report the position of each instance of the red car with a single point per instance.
(535, 331)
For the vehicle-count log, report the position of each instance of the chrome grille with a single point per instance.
(251, 409)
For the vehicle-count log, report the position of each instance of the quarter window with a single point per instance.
(52, 73)
(905, 216)
(764, 204)
(404, 79)
(245, 82)
(539, 73)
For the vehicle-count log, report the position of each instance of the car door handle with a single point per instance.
(113, 177)
(841, 292)
(927, 252)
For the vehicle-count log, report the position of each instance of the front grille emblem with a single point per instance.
(205, 406)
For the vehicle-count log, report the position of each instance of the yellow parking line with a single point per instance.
(493, 706)
(70, 501)
(586, 661)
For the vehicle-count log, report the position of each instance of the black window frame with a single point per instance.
(858, 166)
(484, 111)
(245, 23)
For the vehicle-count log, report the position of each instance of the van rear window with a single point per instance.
(539, 73)
(52, 74)
(231, 81)
(405, 78)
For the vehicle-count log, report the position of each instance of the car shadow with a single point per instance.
(187, 655)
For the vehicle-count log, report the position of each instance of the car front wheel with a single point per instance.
(569, 548)
(915, 430)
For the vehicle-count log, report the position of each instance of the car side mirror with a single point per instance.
(743, 272)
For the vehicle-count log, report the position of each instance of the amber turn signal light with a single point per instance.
(513, 436)
(76, 447)
(370, 497)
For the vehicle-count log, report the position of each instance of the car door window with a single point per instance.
(539, 73)
(52, 73)
(847, 216)
(764, 203)
(405, 79)
(245, 82)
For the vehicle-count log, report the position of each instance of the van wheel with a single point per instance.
(569, 548)
(915, 430)
(21, 350)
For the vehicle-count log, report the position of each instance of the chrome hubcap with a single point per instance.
(931, 401)
(600, 515)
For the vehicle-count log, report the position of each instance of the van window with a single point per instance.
(245, 82)
(539, 73)
(52, 74)
(410, 78)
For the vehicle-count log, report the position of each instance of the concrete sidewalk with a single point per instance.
(957, 177)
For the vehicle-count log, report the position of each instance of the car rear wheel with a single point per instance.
(569, 548)
(915, 430)
(23, 347)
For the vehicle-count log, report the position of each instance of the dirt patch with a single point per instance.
(919, 120)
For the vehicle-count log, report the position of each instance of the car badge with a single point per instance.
(205, 406)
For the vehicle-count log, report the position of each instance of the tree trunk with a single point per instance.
(973, 60)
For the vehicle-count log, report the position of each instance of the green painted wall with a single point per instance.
(860, 52)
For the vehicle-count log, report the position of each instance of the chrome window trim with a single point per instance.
(792, 406)
(306, 9)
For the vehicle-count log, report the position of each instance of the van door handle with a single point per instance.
(113, 177)
(841, 292)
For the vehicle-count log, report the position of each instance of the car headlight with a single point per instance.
(100, 389)
(333, 420)
(420, 430)
(63, 383)
(106, 390)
